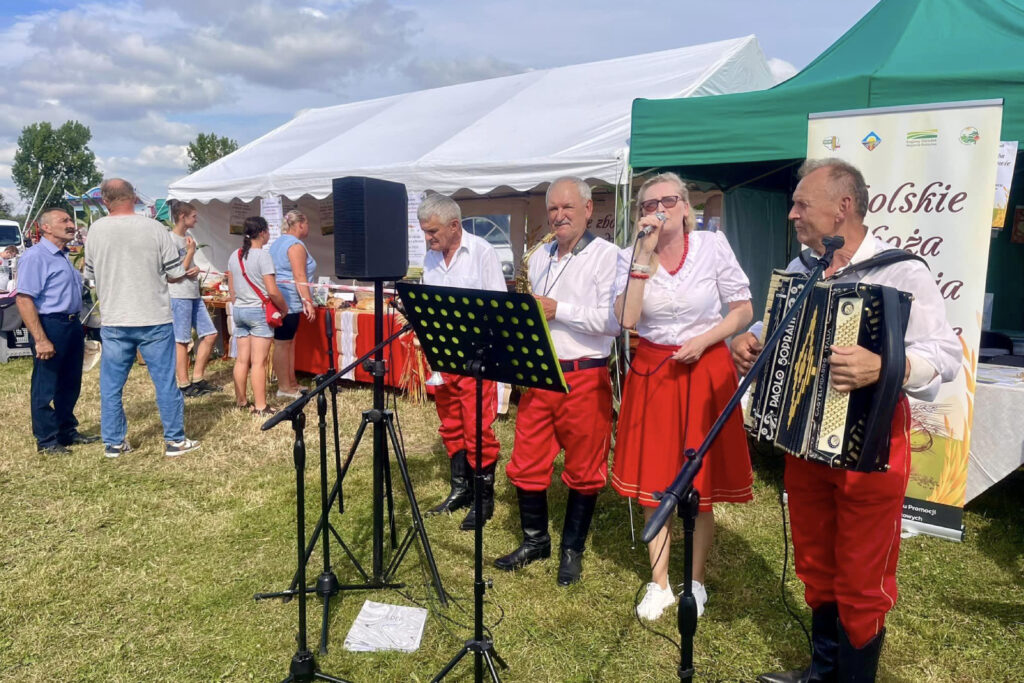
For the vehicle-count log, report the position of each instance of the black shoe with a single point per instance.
(461, 494)
(859, 664)
(533, 516)
(203, 388)
(191, 391)
(579, 510)
(81, 440)
(487, 492)
(825, 650)
(56, 449)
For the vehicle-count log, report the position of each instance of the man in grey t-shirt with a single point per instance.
(132, 258)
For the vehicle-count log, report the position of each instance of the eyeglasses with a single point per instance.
(651, 205)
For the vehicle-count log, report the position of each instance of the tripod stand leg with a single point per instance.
(417, 518)
(389, 495)
(451, 664)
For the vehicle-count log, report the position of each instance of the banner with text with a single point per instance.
(930, 171)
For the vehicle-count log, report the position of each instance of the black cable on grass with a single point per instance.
(785, 565)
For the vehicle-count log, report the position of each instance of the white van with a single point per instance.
(10, 233)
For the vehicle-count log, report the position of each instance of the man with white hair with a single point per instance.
(460, 259)
(573, 279)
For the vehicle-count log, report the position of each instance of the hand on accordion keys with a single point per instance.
(853, 367)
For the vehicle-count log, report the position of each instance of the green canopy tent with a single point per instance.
(901, 52)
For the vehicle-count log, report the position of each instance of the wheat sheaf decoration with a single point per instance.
(952, 486)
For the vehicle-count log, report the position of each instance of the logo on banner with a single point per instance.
(969, 136)
(831, 144)
(923, 138)
(871, 140)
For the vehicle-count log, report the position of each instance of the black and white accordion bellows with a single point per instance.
(793, 404)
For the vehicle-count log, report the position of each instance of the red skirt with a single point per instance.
(671, 410)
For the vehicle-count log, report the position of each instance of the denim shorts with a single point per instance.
(189, 313)
(250, 321)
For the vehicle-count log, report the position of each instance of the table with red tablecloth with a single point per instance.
(353, 337)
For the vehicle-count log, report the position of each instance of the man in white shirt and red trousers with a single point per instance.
(460, 259)
(846, 524)
(573, 279)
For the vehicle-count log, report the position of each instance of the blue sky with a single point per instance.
(148, 75)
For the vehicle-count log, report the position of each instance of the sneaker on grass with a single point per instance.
(173, 448)
(655, 602)
(203, 388)
(115, 450)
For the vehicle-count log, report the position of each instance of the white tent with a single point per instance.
(515, 132)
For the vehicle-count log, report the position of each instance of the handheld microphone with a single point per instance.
(648, 229)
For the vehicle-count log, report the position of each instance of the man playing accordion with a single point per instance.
(846, 524)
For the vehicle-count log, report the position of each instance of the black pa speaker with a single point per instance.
(371, 229)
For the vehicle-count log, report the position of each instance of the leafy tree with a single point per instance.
(207, 148)
(60, 156)
(6, 210)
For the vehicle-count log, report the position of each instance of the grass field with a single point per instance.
(144, 568)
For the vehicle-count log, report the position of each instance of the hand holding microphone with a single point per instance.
(650, 227)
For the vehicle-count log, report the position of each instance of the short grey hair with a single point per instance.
(844, 177)
(442, 206)
(581, 187)
(48, 216)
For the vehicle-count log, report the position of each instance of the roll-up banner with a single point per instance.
(931, 170)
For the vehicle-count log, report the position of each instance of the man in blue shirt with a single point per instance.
(49, 300)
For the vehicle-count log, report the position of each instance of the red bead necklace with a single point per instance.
(686, 250)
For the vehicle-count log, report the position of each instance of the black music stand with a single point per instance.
(383, 431)
(681, 491)
(485, 335)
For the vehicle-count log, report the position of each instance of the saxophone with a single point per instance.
(523, 279)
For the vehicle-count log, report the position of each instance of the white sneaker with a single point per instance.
(655, 602)
(288, 394)
(700, 594)
(176, 448)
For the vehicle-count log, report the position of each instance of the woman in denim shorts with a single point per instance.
(252, 332)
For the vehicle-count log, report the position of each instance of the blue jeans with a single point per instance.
(189, 313)
(156, 344)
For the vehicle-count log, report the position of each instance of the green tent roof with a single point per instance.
(901, 52)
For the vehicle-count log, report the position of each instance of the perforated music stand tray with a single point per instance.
(485, 335)
(506, 332)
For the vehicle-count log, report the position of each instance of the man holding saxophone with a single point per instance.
(573, 279)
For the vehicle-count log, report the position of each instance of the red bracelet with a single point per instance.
(640, 276)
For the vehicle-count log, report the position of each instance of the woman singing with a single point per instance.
(682, 375)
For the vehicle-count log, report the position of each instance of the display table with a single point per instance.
(997, 436)
(353, 336)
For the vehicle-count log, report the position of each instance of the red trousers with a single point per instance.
(579, 422)
(456, 406)
(846, 533)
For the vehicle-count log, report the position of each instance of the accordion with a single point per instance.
(793, 404)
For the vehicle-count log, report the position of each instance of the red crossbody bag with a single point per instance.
(270, 309)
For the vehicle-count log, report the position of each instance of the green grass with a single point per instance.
(143, 568)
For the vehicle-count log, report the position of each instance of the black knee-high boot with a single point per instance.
(825, 650)
(579, 510)
(859, 664)
(469, 523)
(533, 516)
(461, 493)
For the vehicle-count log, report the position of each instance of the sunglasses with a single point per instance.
(651, 205)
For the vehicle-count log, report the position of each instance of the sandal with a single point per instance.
(266, 412)
(247, 408)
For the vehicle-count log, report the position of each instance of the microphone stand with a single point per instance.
(681, 491)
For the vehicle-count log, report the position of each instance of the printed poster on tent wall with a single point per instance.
(930, 171)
